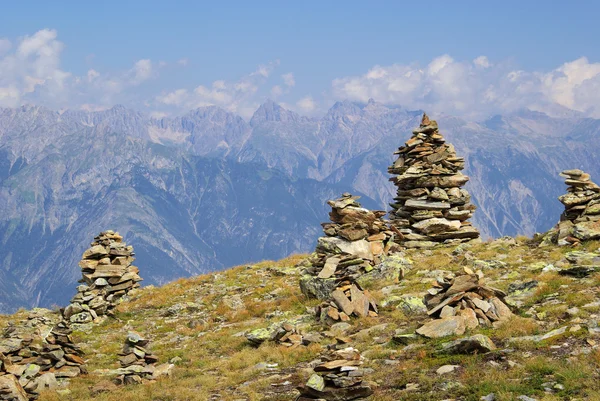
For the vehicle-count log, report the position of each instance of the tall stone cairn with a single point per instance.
(580, 220)
(107, 275)
(355, 241)
(430, 206)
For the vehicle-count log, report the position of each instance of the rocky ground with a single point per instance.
(223, 332)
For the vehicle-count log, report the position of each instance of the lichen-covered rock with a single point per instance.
(448, 326)
(478, 343)
(314, 287)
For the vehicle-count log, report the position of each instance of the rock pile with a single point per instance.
(30, 363)
(462, 302)
(107, 275)
(354, 243)
(338, 378)
(581, 219)
(284, 333)
(430, 206)
(136, 361)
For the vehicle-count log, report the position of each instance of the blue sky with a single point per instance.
(331, 49)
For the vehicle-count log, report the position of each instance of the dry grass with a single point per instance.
(197, 320)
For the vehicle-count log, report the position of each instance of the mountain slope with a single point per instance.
(184, 214)
(188, 190)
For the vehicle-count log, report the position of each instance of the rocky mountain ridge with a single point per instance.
(182, 187)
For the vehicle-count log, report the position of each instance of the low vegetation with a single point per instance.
(199, 324)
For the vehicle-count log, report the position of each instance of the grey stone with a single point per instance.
(469, 345)
(453, 325)
(313, 287)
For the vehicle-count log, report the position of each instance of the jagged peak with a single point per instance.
(271, 111)
(209, 112)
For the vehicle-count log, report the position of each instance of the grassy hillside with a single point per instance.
(199, 325)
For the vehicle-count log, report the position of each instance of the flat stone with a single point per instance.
(164, 369)
(481, 304)
(469, 345)
(437, 225)
(329, 268)
(95, 252)
(470, 317)
(447, 311)
(46, 381)
(343, 302)
(314, 287)
(10, 388)
(463, 283)
(453, 325)
(442, 370)
(426, 205)
(360, 302)
(502, 311)
(588, 230)
(67, 371)
(316, 382)
(359, 249)
(80, 318)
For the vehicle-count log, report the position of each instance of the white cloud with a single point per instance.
(476, 89)
(142, 71)
(288, 79)
(276, 91)
(158, 114)
(239, 96)
(306, 104)
(5, 46)
(92, 74)
(482, 61)
(31, 72)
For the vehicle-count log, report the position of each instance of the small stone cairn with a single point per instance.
(353, 244)
(462, 302)
(107, 275)
(581, 219)
(430, 206)
(137, 363)
(30, 362)
(339, 377)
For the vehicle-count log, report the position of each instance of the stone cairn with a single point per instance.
(462, 302)
(339, 377)
(355, 241)
(30, 363)
(107, 275)
(430, 206)
(579, 221)
(137, 363)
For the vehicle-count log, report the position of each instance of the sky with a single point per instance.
(467, 58)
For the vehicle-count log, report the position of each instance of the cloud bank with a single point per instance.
(478, 88)
(31, 72)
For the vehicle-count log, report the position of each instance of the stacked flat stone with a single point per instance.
(107, 275)
(430, 205)
(338, 378)
(30, 363)
(462, 302)
(353, 244)
(580, 219)
(137, 362)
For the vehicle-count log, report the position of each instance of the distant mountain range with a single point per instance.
(208, 190)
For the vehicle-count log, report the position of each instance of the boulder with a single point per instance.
(477, 344)
(448, 326)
